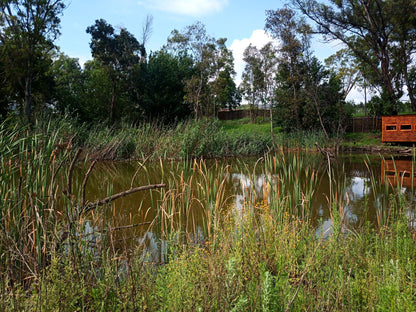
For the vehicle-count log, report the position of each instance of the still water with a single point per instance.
(361, 187)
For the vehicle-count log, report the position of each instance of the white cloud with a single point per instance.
(258, 38)
(186, 7)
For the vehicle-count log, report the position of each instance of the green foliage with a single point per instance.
(209, 87)
(160, 85)
(378, 34)
(29, 29)
(117, 54)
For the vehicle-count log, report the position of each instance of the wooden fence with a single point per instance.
(356, 124)
(242, 113)
(364, 124)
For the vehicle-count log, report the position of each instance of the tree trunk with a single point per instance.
(28, 98)
(271, 121)
(113, 99)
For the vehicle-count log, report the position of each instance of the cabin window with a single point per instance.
(391, 127)
(406, 127)
(390, 173)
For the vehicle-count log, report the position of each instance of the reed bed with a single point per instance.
(248, 255)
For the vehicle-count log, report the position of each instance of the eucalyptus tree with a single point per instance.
(28, 29)
(380, 33)
(252, 83)
(269, 66)
(210, 57)
(118, 53)
(346, 68)
(258, 79)
(307, 96)
(223, 90)
(294, 36)
(195, 43)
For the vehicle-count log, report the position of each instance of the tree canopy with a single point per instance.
(28, 29)
(380, 34)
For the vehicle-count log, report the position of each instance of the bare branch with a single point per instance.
(118, 195)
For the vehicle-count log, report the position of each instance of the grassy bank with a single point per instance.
(191, 139)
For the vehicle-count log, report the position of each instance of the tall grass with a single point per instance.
(263, 255)
(30, 163)
(206, 138)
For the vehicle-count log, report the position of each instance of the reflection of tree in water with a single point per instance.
(357, 188)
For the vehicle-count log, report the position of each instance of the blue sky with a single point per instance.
(240, 21)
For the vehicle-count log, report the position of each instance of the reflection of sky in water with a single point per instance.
(325, 229)
(359, 188)
(245, 181)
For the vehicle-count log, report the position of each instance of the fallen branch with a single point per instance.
(106, 200)
(325, 153)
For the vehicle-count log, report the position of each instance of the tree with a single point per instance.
(160, 87)
(28, 29)
(225, 91)
(117, 53)
(345, 67)
(269, 64)
(210, 57)
(380, 33)
(258, 79)
(222, 88)
(307, 95)
(294, 36)
(69, 86)
(252, 84)
(97, 90)
(324, 90)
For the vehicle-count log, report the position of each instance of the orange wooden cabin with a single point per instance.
(399, 129)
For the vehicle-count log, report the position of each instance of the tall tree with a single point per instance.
(222, 88)
(28, 29)
(160, 87)
(69, 86)
(380, 33)
(225, 91)
(210, 57)
(252, 84)
(294, 36)
(118, 53)
(269, 67)
(345, 67)
(258, 79)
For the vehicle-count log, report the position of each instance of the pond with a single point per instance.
(358, 188)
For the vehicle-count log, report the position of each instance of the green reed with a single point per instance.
(29, 169)
(291, 183)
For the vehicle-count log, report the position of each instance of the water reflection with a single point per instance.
(399, 172)
(360, 185)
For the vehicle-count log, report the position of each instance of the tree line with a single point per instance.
(193, 73)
